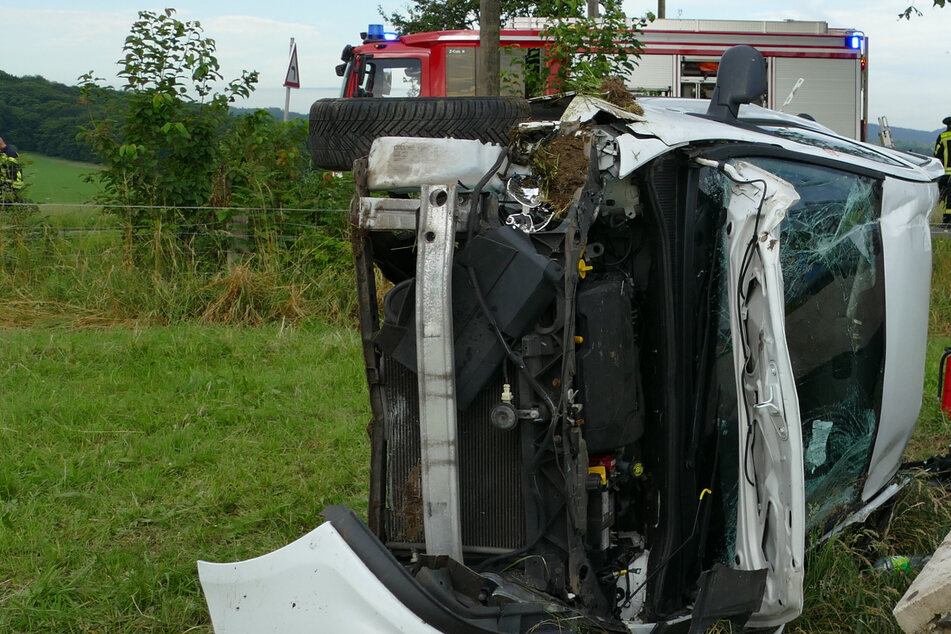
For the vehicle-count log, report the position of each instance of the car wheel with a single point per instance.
(341, 130)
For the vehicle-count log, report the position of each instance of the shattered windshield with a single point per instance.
(834, 293)
(828, 142)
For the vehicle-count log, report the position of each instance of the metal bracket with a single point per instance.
(399, 214)
(436, 372)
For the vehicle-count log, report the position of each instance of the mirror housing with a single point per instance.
(741, 79)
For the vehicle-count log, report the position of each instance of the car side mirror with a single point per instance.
(741, 78)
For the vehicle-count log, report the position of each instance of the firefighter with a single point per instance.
(943, 153)
(11, 176)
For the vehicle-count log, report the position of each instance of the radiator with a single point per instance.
(490, 477)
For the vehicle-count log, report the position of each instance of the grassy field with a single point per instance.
(72, 264)
(129, 454)
(59, 188)
(54, 180)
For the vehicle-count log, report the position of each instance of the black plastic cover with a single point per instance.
(741, 79)
(517, 283)
(609, 366)
(726, 593)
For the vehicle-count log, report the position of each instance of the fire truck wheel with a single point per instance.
(341, 130)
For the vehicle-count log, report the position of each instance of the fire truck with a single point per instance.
(812, 68)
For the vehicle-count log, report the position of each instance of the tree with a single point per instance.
(583, 50)
(162, 147)
(41, 116)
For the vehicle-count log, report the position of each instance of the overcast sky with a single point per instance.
(61, 39)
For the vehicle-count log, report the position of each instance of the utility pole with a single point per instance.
(487, 75)
(593, 10)
(661, 9)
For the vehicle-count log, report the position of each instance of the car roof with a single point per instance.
(678, 122)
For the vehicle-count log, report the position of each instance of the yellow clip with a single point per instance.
(704, 492)
(601, 471)
(583, 268)
(579, 339)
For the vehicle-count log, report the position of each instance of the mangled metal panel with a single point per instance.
(411, 162)
(770, 513)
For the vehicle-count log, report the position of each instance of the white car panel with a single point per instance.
(906, 242)
(314, 585)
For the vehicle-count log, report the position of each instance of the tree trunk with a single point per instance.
(593, 11)
(487, 75)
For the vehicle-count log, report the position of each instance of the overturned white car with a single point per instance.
(625, 409)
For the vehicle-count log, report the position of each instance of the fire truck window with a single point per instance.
(461, 64)
(392, 78)
(512, 64)
(698, 78)
(460, 71)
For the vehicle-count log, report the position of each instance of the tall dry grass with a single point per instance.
(95, 275)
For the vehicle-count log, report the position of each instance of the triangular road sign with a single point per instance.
(292, 79)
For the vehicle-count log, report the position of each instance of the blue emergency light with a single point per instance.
(854, 41)
(375, 33)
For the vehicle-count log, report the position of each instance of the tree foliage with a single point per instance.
(161, 148)
(443, 15)
(583, 51)
(176, 163)
(37, 115)
(914, 10)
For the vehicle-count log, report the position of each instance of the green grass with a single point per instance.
(129, 454)
(55, 180)
(59, 188)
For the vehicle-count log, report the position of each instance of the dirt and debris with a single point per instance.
(616, 93)
(562, 167)
(411, 511)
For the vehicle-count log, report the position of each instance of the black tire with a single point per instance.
(341, 130)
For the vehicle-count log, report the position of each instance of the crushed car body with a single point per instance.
(624, 367)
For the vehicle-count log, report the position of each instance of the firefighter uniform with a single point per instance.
(942, 152)
(11, 176)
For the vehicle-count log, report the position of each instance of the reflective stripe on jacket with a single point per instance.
(941, 150)
(11, 176)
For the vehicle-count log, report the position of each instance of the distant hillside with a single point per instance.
(38, 115)
(277, 113)
(42, 116)
(907, 139)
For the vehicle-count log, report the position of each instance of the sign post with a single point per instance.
(291, 79)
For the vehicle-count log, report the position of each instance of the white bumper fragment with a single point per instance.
(316, 584)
